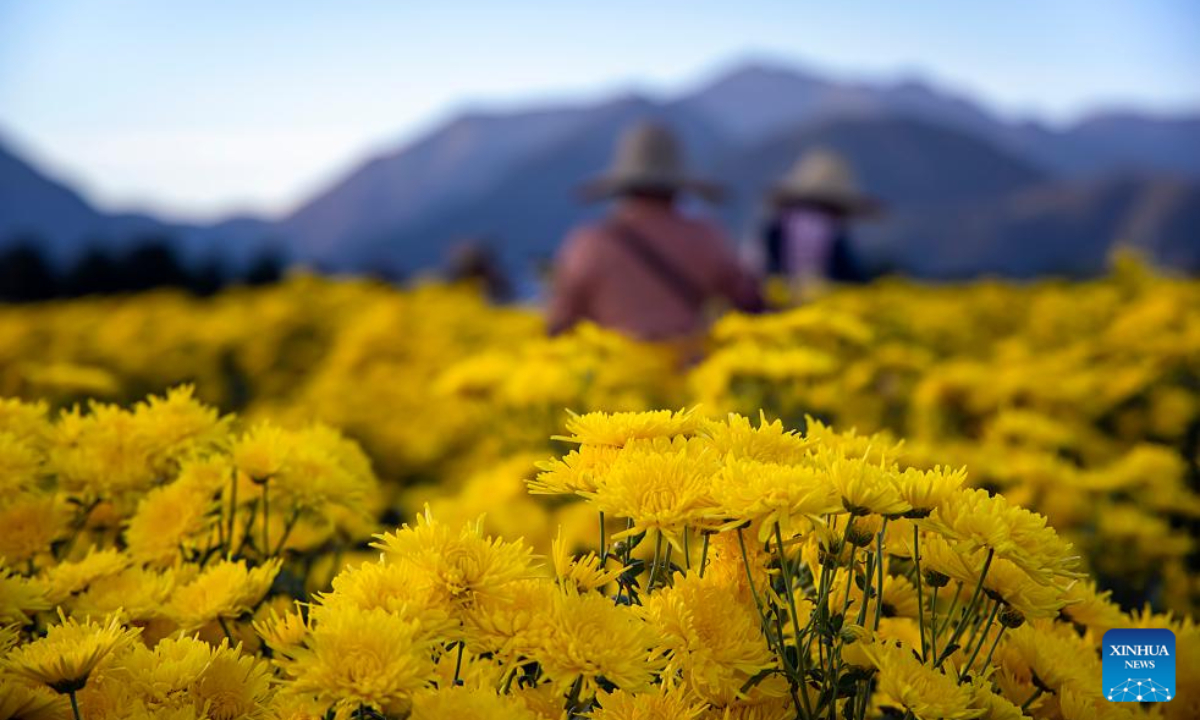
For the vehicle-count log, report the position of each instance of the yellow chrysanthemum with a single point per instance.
(20, 464)
(865, 487)
(668, 704)
(768, 493)
(67, 578)
(582, 573)
(169, 519)
(136, 594)
(223, 590)
(590, 637)
(460, 566)
(460, 702)
(31, 522)
(767, 443)
(662, 486)
(617, 429)
(394, 585)
(926, 490)
(19, 701)
(20, 597)
(355, 658)
(578, 471)
(69, 652)
(262, 451)
(980, 520)
(929, 694)
(713, 642)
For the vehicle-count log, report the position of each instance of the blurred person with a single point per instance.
(806, 239)
(646, 269)
(474, 262)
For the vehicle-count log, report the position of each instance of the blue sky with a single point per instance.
(204, 108)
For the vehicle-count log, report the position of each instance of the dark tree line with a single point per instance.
(26, 275)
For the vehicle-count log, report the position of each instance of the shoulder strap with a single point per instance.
(666, 271)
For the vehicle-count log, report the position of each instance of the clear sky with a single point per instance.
(203, 108)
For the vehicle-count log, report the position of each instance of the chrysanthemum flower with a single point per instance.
(20, 465)
(582, 573)
(462, 702)
(926, 490)
(617, 429)
(460, 566)
(223, 590)
(767, 443)
(20, 597)
(590, 637)
(69, 652)
(1013, 585)
(167, 520)
(177, 424)
(135, 594)
(713, 642)
(358, 657)
(394, 585)
(262, 451)
(768, 493)
(512, 623)
(667, 704)
(929, 694)
(980, 520)
(30, 702)
(31, 522)
(662, 486)
(865, 487)
(578, 471)
(68, 578)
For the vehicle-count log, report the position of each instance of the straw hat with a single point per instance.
(822, 176)
(648, 158)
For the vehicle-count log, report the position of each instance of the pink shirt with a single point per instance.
(598, 278)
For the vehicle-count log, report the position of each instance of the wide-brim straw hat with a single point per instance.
(648, 158)
(823, 177)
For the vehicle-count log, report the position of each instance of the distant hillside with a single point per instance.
(961, 181)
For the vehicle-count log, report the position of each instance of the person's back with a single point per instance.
(647, 271)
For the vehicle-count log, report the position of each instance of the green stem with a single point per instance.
(266, 518)
(791, 600)
(603, 542)
(687, 550)
(953, 606)
(233, 481)
(458, 662)
(970, 611)
(287, 531)
(75, 705)
(879, 570)
(704, 555)
(920, 589)
(933, 624)
(1036, 694)
(988, 660)
(225, 629)
(982, 639)
(658, 539)
(762, 617)
(573, 697)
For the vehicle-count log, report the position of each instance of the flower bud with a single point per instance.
(1010, 617)
(933, 578)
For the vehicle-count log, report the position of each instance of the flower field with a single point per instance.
(336, 499)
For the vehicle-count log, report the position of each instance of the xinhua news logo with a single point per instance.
(1139, 665)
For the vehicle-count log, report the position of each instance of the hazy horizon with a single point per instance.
(251, 127)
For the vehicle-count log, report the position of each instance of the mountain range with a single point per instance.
(968, 192)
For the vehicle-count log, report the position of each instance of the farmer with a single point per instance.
(806, 239)
(646, 269)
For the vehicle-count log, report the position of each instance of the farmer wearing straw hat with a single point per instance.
(812, 207)
(647, 270)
